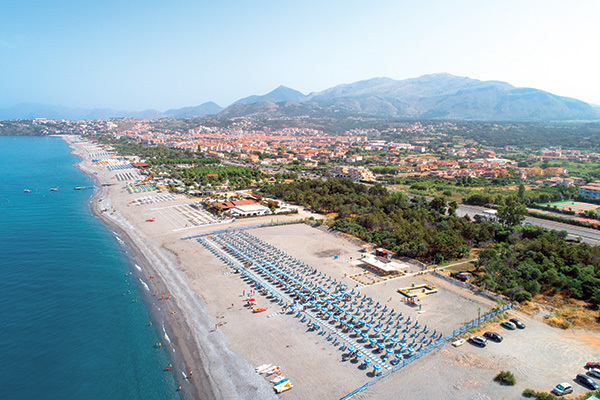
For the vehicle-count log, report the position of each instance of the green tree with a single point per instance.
(512, 212)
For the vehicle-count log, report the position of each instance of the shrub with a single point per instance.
(529, 393)
(506, 378)
(546, 396)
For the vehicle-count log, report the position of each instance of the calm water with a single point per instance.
(68, 330)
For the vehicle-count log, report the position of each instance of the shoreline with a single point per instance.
(213, 364)
(139, 260)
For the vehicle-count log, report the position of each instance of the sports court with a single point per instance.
(576, 206)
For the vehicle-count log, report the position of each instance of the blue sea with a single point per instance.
(68, 326)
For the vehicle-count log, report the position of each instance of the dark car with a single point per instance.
(518, 323)
(592, 365)
(587, 381)
(495, 336)
(478, 340)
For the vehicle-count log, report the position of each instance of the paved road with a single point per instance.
(587, 235)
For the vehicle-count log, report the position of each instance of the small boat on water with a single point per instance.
(79, 187)
(27, 190)
(54, 189)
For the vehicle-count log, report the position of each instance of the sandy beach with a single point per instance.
(206, 323)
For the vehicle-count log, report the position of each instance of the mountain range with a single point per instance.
(435, 96)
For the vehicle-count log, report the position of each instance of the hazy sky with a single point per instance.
(131, 54)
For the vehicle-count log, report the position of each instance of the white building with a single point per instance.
(249, 210)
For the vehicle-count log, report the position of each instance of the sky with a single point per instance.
(161, 54)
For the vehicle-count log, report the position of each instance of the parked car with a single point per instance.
(517, 323)
(587, 381)
(495, 336)
(594, 372)
(508, 325)
(562, 389)
(478, 340)
(592, 365)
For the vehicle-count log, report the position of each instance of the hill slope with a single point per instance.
(278, 95)
(450, 97)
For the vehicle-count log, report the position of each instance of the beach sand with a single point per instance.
(211, 331)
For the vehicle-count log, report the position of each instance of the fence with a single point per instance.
(243, 228)
(403, 363)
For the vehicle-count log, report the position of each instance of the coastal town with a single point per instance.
(208, 195)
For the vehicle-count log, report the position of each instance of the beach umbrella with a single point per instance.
(359, 355)
(364, 336)
(367, 361)
(376, 367)
(380, 345)
(389, 351)
(399, 356)
(373, 341)
(350, 349)
(350, 326)
(377, 330)
(357, 331)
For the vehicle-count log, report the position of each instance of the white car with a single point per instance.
(594, 372)
(562, 389)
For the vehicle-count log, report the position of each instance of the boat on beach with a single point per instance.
(284, 386)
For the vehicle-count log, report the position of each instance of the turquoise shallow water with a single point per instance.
(68, 326)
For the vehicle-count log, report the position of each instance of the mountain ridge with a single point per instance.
(432, 96)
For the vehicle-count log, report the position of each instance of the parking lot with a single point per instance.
(539, 356)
